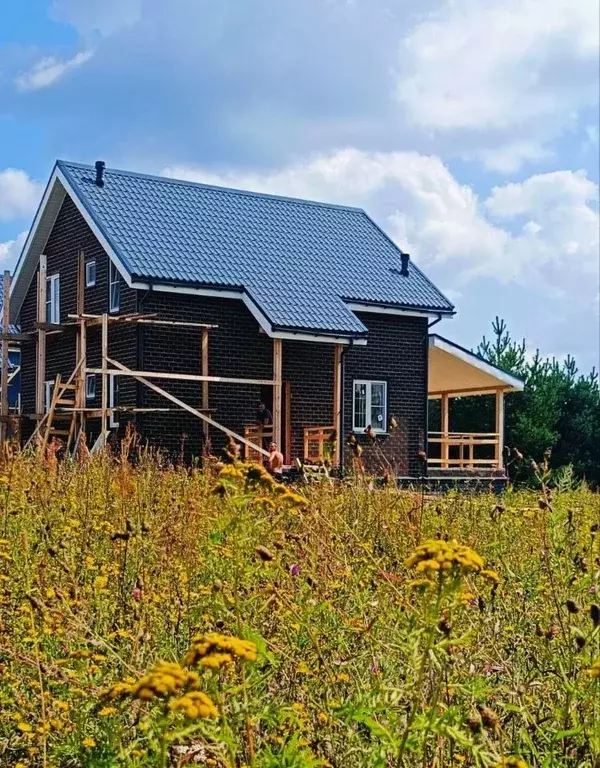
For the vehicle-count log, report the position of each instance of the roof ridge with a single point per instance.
(214, 187)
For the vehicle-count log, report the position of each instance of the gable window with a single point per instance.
(113, 400)
(90, 386)
(90, 274)
(114, 288)
(53, 299)
(369, 406)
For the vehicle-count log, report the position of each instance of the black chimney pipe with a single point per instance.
(405, 258)
(100, 164)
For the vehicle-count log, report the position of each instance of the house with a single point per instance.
(177, 307)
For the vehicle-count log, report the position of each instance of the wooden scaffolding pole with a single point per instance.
(41, 338)
(499, 448)
(277, 390)
(194, 411)
(5, 332)
(205, 397)
(81, 351)
(104, 373)
(337, 400)
(445, 412)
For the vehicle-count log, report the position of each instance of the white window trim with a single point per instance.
(48, 387)
(89, 282)
(113, 419)
(90, 393)
(114, 278)
(51, 281)
(369, 383)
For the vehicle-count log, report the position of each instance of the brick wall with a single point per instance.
(396, 352)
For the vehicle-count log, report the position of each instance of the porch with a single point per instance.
(454, 372)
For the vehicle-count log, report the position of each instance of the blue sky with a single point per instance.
(467, 128)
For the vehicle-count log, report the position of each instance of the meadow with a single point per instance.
(157, 615)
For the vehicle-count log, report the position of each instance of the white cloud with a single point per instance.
(508, 158)
(520, 70)
(524, 233)
(19, 195)
(102, 16)
(48, 70)
(11, 250)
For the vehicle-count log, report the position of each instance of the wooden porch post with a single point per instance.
(337, 400)
(40, 370)
(5, 332)
(499, 447)
(445, 422)
(277, 369)
(205, 400)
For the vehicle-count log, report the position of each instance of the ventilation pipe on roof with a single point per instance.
(405, 258)
(100, 165)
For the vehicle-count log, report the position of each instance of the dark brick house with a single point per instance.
(311, 307)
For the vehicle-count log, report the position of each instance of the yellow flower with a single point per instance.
(223, 649)
(511, 762)
(62, 705)
(89, 742)
(195, 705)
(24, 727)
(100, 582)
(107, 711)
(594, 670)
(490, 576)
(438, 556)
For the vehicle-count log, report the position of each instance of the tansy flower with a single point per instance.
(89, 742)
(195, 705)
(164, 679)
(594, 670)
(24, 727)
(222, 648)
(511, 762)
(438, 556)
(107, 711)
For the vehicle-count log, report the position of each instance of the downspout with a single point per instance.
(345, 351)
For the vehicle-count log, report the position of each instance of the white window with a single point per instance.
(90, 274)
(53, 299)
(370, 406)
(48, 390)
(114, 288)
(113, 400)
(90, 386)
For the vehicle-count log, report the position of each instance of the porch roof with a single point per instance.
(453, 370)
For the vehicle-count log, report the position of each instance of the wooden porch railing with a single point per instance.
(257, 435)
(460, 449)
(317, 444)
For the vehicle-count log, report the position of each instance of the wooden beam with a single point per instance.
(137, 318)
(499, 450)
(468, 392)
(181, 376)
(445, 423)
(16, 337)
(287, 409)
(104, 374)
(5, 330)
(41, 337)
(277, 390)
(337, 400)
(81, 342)
(205, 391)
(194, 411)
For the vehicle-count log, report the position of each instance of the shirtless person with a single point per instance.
(275, 461)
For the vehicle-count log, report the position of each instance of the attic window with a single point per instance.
(90, 274)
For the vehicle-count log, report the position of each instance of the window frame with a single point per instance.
(90, 392)
(53, 299)
(89, 281)
(114, 279)
(49, 385)
(368, 405)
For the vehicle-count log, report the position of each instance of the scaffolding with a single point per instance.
(68, 400)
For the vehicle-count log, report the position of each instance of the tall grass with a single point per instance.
(363, 658)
